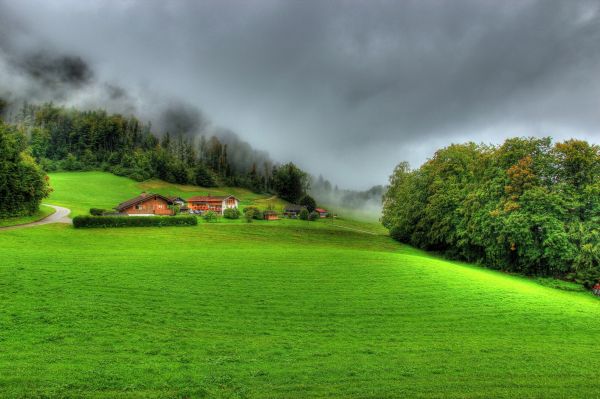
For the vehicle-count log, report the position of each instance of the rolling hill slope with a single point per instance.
(287, 309)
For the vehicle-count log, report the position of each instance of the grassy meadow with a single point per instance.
(284, 309)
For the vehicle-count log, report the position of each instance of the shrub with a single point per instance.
(231, 213)
(254, 212)
(133, 221)
(303, 214)
(313, 216)
(210, 216)
(97, 211)
(249, 216)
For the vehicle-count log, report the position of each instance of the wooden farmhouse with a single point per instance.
(212, 203)
(146, 204)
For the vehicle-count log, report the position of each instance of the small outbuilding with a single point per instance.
(292, 210)
(596, 289)
(323, 213)
(270, 215)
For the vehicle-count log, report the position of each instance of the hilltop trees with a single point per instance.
(71, 139)
(290, 182)
(526, 206)
(22, 183)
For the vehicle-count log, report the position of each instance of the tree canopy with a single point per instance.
(23, 184)
(526, 206)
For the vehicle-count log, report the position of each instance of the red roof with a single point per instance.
(143, 197)
(321, 210)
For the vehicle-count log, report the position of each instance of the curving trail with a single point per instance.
(60, 216)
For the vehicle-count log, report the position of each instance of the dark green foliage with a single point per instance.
(69, 139)
(312, 216)
(210, 216)
(309, 202)
(133, 221)
(290, 182)
(203, 177)
(97, 211)
(253, 212)
(303, 215)
(23, 185)
(231, 213)
(526, 206)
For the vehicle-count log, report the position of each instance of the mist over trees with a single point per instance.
(527, 206)
(368, 201)
(70, 139)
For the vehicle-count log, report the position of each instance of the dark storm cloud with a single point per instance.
(180, 118)
(55, 71)
(345, 88)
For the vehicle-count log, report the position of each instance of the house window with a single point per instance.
(138, 207)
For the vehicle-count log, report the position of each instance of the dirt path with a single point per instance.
(60, 216)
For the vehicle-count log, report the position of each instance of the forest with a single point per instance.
(59, 138)
(529, 206)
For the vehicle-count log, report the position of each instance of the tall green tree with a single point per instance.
(23, 185)
(290, 182)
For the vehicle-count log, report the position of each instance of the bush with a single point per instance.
(254, 212)
(249, 216)
(303, 214)
(97, 211)
(133, 221)
(231, 213)
(313, 216)
(210, 216)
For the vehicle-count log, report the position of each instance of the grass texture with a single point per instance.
(286, 309)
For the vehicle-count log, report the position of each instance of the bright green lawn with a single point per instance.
(284, 309)
(42, 213)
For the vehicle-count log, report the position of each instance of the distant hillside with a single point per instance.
(80, 191)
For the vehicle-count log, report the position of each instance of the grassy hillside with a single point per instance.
(81, 191)
(289, 309)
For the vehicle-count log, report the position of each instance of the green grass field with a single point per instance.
(42, 213)
(285, 309)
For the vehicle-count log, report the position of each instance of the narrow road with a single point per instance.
(60, 216)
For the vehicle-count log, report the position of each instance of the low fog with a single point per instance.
(343, 89)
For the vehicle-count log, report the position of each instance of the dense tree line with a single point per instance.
(527, 206)
(23, 184)
(71, 139)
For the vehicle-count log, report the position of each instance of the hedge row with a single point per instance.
(133, 221)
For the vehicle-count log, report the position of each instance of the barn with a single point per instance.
(146, 204)
(270, 215)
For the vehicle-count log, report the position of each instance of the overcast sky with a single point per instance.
(343, 88)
